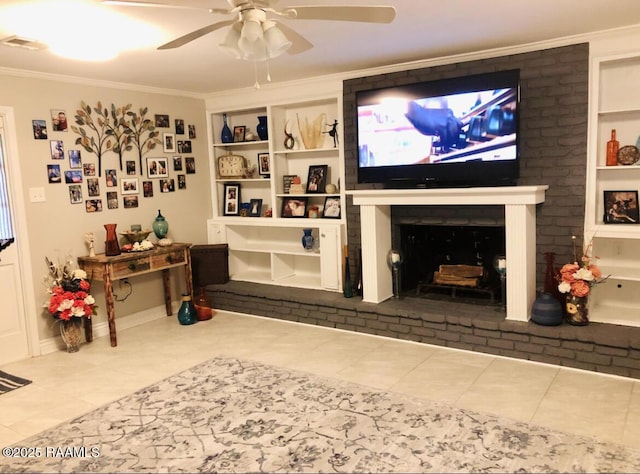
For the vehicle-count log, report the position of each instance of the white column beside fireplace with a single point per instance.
(520, 232)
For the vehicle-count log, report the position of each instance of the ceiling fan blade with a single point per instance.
(369, 14)
(196, 34)
(126, 3)
(299, 43)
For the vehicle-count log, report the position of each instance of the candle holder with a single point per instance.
(394, 260)
(500, 266)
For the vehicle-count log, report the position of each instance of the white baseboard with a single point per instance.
(53, 344)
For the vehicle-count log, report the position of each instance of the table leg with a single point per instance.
(167, 290)
(111, 313)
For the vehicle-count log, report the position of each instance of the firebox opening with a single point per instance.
(428, 247)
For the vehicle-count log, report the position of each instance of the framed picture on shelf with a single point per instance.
(287, 180)
(317, 178)
(255, 208)
(332, 208)
(263, 164)
(294, 207)
(239, 132)
(621, 207)
(231, 201)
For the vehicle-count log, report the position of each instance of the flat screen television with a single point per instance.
(444, 133)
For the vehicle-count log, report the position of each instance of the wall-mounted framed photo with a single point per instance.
(239, 132)
(157, 167)
(294, 207)
(317, 178)
(231, 201)
(621, 207)
(263, 164)
(332, 208)
(129, 186)
(255, 208)
(168, 142)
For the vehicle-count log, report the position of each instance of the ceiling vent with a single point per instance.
(18, 42)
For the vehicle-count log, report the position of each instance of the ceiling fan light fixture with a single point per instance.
(277, 43)
(230, 43)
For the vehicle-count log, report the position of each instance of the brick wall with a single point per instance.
(597, 347)
(554, 87)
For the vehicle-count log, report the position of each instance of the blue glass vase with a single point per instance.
(261, 128)
(307, 239)
(187, 313)
(226, 136)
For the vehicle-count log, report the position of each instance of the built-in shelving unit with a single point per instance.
(614, 104)
(267, 248)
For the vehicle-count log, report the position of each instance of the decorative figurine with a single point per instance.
(289, 142)
(89, 239)
(333, 133)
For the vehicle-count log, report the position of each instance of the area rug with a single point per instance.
(231, 415)
(10, 382)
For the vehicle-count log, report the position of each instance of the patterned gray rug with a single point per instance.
(230, 415)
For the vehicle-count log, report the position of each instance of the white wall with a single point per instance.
(56, 227)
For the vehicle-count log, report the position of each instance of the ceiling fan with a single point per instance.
(254, 35)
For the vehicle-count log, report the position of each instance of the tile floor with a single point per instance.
(67, 385)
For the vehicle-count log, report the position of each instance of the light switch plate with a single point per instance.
(37, 195)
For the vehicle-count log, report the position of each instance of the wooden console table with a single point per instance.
(131, 264)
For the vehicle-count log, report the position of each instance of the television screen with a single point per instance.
(460, 131)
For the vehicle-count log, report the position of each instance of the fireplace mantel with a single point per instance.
(520, 233)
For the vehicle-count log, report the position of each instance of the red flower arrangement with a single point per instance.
(69, 290)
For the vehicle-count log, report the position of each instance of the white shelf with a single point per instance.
(614, 104)
(269, 249)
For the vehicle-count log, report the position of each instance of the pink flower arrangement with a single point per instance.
(69, 290)
(578, 278)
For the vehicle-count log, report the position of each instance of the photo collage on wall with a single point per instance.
(80, 168)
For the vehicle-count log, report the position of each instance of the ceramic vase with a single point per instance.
(187, 313)
(311, 133)
(577, 308)
(111, 246)
(261, 128)
(546, 310)
(308, 239)
(71, 333)
(160, 226)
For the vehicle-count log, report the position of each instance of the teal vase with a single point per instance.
(187, 314)
(160, 226)
(226, 136)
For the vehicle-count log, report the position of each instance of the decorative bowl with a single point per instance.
(137, 236)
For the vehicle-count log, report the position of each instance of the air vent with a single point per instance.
(17, 42)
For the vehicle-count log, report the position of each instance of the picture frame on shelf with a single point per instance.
(231, 201)
(332, 208)
(287, 180)
(317, 178)
(263, 164)
(168, 143)
(157, 167)
(239, 132)
(294, 207)
(255, 208)
(621, 207)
